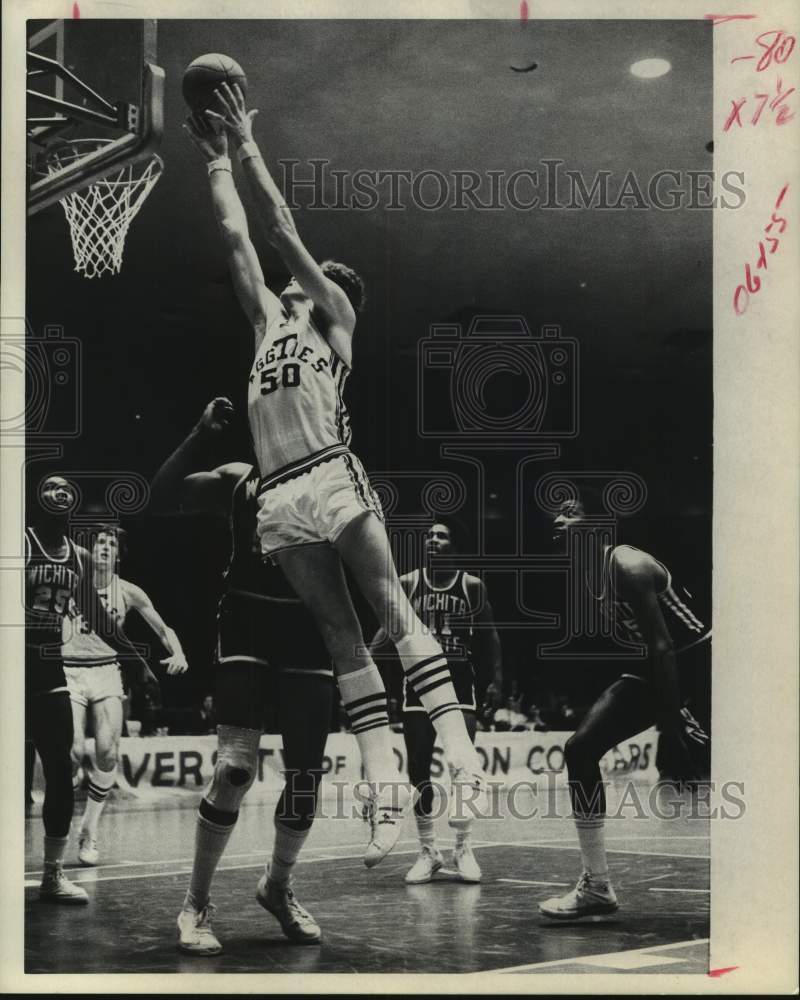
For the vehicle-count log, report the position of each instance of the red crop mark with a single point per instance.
(76, 12)
(716, 973)
(722, 18)
(523, 11)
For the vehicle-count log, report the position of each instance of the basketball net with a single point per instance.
(100, 215)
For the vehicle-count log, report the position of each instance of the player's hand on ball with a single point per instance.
(235, 117)
(175, 664)
(209, 137)
(217, 415)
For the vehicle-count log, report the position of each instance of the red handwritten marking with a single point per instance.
(776, 103)
(777, 46)
(76, 12)
(716, 973)
(523, 11)
(722, 18)
(752, 285)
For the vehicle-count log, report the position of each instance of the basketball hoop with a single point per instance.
(100, 215)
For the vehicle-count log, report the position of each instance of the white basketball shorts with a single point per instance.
(91, 684)
(313, 500)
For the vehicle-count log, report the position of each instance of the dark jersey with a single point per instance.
(446, 611)
(685, 627)
(261, 618)
(51, 585)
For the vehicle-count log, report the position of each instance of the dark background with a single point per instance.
(632, 287)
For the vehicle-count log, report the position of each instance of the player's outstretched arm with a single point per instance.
(176, 662)
(276, 219)
(259, 304)
(184, 482)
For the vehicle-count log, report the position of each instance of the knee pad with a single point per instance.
(235, 771)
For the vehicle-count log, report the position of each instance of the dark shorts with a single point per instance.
(44, 667)
(273, 668)
(463, 675)
(275, 633)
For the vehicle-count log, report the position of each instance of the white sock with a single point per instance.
(592, 840)
(287, 846)
(364, 700)
(100, 784)
(54, 850)
(427, 672)
(210, 840)
(427, 837)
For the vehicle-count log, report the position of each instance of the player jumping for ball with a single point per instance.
(95, 682)
(269, 651)
(455, 606)
(317, 509)
(641, 602)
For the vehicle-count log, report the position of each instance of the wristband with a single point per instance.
(223, 163)
(248, 151)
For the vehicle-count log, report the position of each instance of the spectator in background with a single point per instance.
(205, 719)
(534, 719)
(511, 717)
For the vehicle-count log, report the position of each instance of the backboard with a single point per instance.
(89, 79)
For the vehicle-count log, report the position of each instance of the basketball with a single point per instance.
(207, 73)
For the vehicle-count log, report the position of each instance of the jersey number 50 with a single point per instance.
(289, 378)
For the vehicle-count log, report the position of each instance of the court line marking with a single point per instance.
(660, 889)
(349, 857)
(590, 958)
(187, 861)
(225, 868)
(525, 881)
(610, 850)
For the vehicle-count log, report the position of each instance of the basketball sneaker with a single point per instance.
(465, 864)
(57, 888)
(590, 897)
(468, 794)
(428, 862)
(385, 813)
(195, 933)
(296, 922)
(88, 854)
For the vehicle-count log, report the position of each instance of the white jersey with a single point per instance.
(81, 647)
(294, 400)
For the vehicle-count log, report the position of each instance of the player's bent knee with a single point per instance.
(107, 758)
(236, 768)
(580, 752)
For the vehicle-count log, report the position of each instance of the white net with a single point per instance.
(100, 215)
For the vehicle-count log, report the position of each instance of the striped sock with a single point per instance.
(427, 672)
(592, 840)
(100, 784)
(212, 833)
(287, 846)
(54, 850)
(364, 700)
